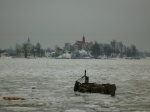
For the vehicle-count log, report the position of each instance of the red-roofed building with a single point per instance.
(83, 44)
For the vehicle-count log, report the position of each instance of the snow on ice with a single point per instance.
(47, 85)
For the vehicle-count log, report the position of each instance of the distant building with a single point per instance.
(29, 46)
(4, 54)
(83, 44)
(59, 51)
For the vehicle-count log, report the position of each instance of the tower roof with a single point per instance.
(28, 40)
(83, 40)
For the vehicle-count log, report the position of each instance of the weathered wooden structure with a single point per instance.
(93, 87)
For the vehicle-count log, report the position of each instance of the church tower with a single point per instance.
(83, 40)
(28, 40)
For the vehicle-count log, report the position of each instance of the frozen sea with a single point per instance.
(47, 85)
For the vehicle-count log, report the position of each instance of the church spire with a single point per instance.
(83, 40)
(28, 40)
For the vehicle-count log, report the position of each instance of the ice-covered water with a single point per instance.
(47, 85)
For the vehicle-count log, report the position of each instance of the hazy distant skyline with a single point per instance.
(54, 22)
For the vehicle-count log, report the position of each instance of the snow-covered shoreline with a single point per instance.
(47, 85)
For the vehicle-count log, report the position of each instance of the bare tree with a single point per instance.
(25, 50)
(113, 45)
(96, 50)
(120, 44)
(18, 49)
(134, 51)
(38, 49)
(107, 50)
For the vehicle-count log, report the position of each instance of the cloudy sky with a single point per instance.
(54, 22)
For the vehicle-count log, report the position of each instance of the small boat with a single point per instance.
(93, 87)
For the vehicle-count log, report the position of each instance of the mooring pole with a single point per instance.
(85, 74)
(86, 78)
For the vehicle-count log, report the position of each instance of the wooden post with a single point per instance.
(85, 74)
(86, 78)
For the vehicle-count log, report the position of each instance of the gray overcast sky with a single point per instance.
(54, 22)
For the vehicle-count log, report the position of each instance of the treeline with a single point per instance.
(97, 50)
(114, 49)
(27, 49)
